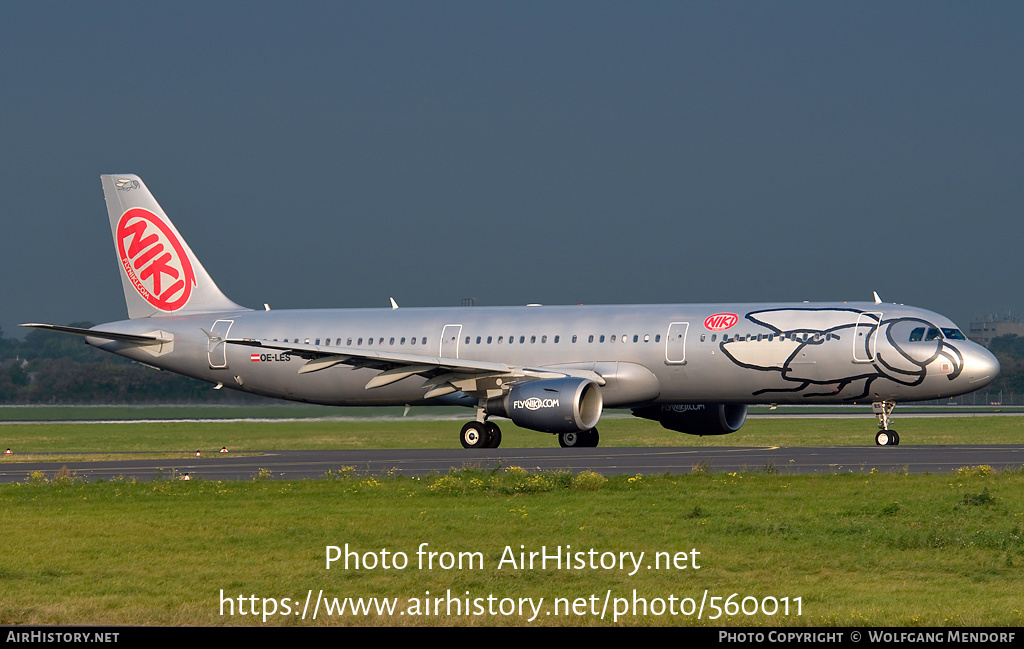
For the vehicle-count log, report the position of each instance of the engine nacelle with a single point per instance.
(697, 419)
(551, 405)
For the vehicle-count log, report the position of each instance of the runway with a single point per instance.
(295, 465)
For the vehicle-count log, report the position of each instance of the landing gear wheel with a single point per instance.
(493, 434)
(474, 435)
(887, 438)
(583, 439)
(570, 440)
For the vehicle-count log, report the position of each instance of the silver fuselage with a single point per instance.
(647, 354)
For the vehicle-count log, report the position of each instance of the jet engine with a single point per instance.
(565, 405)
(697, 419)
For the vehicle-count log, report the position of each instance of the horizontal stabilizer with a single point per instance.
(141, 339)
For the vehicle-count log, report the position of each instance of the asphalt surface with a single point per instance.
(293, 465)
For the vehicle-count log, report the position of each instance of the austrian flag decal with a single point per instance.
(720, 321)
(154, 260)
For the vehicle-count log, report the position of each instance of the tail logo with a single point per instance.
(154, 260)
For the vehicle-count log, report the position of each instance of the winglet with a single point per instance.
(394, 305)
(878, 300)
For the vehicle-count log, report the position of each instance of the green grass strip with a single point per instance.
(868, 549)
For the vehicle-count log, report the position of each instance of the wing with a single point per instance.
(445, 375)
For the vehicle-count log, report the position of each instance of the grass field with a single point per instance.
(878, 549)
(840, 550)
(26, 439)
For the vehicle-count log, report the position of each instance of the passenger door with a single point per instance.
(675, 342)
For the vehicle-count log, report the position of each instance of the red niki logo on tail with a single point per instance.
(154, 260)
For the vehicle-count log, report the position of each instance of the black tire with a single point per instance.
(570, 440)
(474, 435)
(895, 438)
(494, 435)
(592, 438)
(884, 438)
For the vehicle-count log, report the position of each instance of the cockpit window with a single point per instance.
(953, 334)
(931, 333)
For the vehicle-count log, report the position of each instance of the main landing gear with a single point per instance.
(478, 434)
(486, 434)
(583, 439)
(886, 436)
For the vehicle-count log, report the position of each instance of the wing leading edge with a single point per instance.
(445, 375)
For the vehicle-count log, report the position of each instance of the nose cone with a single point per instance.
(980, 367)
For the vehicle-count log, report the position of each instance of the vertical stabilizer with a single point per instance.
(159, 272)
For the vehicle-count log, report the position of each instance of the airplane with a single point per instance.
(694, 368)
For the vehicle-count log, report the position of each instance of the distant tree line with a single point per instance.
(1009, 349)
(53, 368)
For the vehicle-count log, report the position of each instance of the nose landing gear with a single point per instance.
(886, 436)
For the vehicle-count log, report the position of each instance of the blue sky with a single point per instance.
(332, 154)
